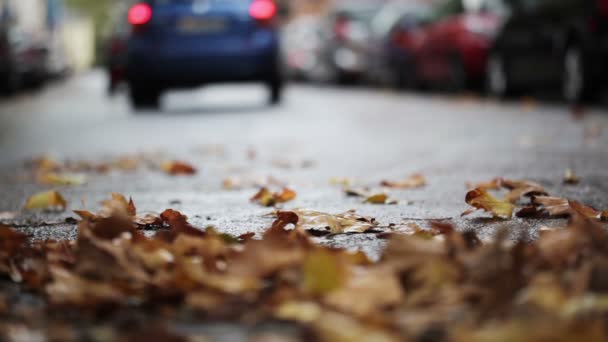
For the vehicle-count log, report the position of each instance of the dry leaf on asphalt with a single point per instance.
(348, 222)
(268, 198)
(119, 206)
(521, 188)
(177, 168)
(416, 180)
(571, 178)
(481, 199)
(48, 200)
(380, 198)
(494, 184)
(61, 179)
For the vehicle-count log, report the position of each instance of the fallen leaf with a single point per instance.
(342, 181)
(348, 222)
(269, 199)
(62, 179)
(481, 199)
(570, 177)
(179, 223)
(494, 184)
(553, 206)
(48, 200)
(584, 210)
(350, 192)
(379, 199)
(414, 181)
(324, 272)
(521, 188)
(176, 168)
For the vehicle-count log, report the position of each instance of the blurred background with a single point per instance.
(493, 47)
(89, 65)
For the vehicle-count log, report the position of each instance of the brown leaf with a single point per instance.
(267, 198)
(520, 188)
(381, 198)
(494, 184)
(177, 168)
(348, 222)
(48, 200)
(585, 211)
(481, 199)
(414, 181)
(179, 223)
(553, 206)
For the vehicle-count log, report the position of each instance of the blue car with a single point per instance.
(189, 43)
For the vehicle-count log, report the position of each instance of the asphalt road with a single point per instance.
(318, 133)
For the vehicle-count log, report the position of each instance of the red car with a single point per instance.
(454, 47)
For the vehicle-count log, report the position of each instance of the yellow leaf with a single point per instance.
(481, 199)
(323, 272)
(49, 200)
(377, 199)
(570, 177)
(67, 179)
(304, 312)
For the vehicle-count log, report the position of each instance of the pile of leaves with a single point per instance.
(433, 286)
(49, 171)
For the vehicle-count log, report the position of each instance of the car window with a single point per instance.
(385, 19)
(447, 8)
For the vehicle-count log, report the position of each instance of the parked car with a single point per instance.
(395, 32)
(558, 43)
(23, 51)
(456, 42)
(302, 43)
(346, 32)
(187, 43)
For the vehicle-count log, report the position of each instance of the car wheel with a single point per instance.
(458, 75)
(144, 98)
(276, 92)
(406, 78)
(575, 83)
(11, 83)
(497, 79)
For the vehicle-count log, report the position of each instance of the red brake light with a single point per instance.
(603, 5)
(140, 14)
(263, 9)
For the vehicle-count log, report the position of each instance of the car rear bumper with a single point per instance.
(186, 71)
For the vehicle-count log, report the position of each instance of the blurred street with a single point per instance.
(319, 133)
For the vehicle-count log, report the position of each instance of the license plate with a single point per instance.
(201, 25)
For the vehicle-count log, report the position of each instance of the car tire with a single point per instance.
(576, 85)
(406, 76)
(144, 97)
(276, 92)
(11, 82)
(458, 75)
(497, 77)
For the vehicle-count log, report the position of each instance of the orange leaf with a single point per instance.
(176, 168)
(481, 199)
